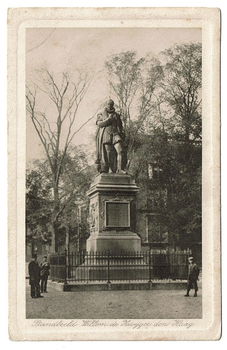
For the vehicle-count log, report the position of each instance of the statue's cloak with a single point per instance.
(103, 136)
(101, 156)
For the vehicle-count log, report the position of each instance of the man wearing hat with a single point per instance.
(193, 274)
(34, 277)
(44, 273)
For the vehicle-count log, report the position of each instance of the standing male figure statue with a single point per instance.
(109, 141)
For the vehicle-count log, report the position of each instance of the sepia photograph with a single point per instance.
(113, 176)
(114, 189)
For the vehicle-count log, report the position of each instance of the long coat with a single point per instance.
(109, 131)
(34, 271)
(193, 272)
(44, 269)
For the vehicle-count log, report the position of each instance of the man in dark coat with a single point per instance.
(34, 277)
(193, 274)
(44, 273)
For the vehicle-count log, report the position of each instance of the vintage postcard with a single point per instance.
(114, 173)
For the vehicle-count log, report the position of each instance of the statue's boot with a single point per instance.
(120, 171)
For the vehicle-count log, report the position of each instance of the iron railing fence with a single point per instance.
(125, 266)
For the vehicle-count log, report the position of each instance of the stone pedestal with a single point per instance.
(113, 242)
(113, 215)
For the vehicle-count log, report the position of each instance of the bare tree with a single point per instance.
(64, 97)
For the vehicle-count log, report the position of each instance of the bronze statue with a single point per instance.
(110, 148)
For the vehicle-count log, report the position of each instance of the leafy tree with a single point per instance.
(124, 74)
(133, 82)
(75, 181)
(169, 142)
(38, 205)
(166, 188)
(182, 89)
(76, 178)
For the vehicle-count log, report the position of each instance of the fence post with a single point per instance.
(66, 266)
(149, 266)
(108, 267)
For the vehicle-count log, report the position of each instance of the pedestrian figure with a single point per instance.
(44, 273)
(193, 274)
(34, 277)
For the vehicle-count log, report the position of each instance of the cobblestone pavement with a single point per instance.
(142, 304)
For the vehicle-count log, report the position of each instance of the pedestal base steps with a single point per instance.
(119, 285)
(114, 241)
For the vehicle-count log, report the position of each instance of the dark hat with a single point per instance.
(45, 256)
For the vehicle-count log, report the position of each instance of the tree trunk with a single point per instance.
(67, 238)
(53, 247)
(54, 228)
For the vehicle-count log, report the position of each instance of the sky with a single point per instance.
(69, 49)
